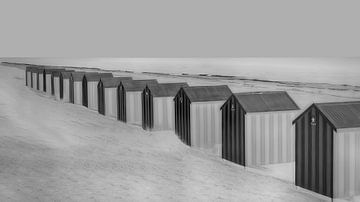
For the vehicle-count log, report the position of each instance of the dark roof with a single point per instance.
(137, 85)
(266, 101)
(95, 76)
(50, 71)
(207, 93)
(341, 114)
(165, 89)
(113, 82)
(77, 76)
(66, 74)
(57, 73)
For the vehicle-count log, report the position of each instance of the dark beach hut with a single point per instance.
(158, 109)
(327, 151)
(198, 117)
(107, 95)
(257, 128)
(129, 98)
(76, 87)
(90, 88)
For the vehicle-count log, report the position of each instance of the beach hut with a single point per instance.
(41, 78)
(90, 89)
(49, 81)
(257, 128)
(327, 155)
(107, 94)
(198, 117)
(158, 109)
(27, 76)
(129, 99)
(65, 88)
(76, 88)
(33, 73)
(57, 83)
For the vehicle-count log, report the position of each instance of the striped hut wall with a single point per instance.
(48, 84)
(346, 164)
(164, 113)
(92, 91)
(41, 82)
(269, 137)
(133, 108)
(34, 78)
(110, 98)
(57, 88)
(78, 92)
(206, 126)
(28, 79)
(66, 90)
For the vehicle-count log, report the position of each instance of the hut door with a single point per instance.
(147, 110)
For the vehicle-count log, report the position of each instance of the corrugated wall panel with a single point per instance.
(314, 153)
(41, 82)
(34, 81)
(346, 163)
(57, 88)
(92, 95)
(133, 108)
(48, 84)
(206, 126)
(164, 113)
(66, 90)
(78, 93)
(269, 138)
(110, 98)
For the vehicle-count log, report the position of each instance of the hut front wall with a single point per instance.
(78, 92)
(28, 78)
(110, 98)
(133, 108)
(34, 78)
(66, 90)
(92, 95)
(48, 84)
(269, 138)
(346, 163)
(164, 115)
(205, 123)
(57, 88)
(41, 82)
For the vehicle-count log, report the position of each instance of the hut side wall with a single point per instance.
(233, 132)
(346, 163)
(163, 113)
(133, 108)
(182, 117)
(34, 76)
(26, 77)
(66, 90)
(48, 84)
(314, 153)
(92, 95)
(84, 92)
(121, 104)
(101, 98)
(147, 106)
(41, 82)
(78, 92)
(57, 88)
(269, 138)
(206, 126)
(110, 100)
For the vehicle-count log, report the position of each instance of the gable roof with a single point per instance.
(95, 76)
(77, 76)
(66, 74)
(137, 85)
(266, 101)
(50, 71)
(57, 73)
(207, 93)
(113, 82)
(165, 89)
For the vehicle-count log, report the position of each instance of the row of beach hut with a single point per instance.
(250, 129)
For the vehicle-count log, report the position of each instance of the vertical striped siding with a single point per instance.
(78, 92)
(346, 164)
(66, 90)
(41, 82)
(57, 88)
(28, 79)
(92, 96)
(133, 108)
(48, 84)
(164, 115)
(34, 76)
(206, 126)
(110, 98)
(269, 138)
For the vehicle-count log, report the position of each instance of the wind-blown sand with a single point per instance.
(58, 151)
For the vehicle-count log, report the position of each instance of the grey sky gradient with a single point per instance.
(186, 28)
